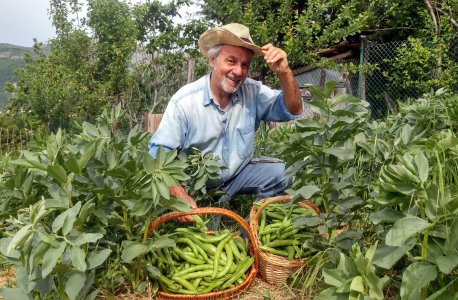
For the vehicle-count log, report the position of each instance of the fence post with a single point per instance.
(191, 67)
(361, 76)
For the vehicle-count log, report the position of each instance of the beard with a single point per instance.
(228, 87)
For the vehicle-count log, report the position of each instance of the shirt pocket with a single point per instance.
(245, 142)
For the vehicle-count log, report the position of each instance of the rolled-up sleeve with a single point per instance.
(170, 133)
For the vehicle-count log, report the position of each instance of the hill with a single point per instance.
(11, 58)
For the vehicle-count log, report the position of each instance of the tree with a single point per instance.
(115, 39)
(165, 49)
(58, 88)
(91, 62)
(304, 27)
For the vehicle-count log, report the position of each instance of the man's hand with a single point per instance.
(276, 59)
(179, 192)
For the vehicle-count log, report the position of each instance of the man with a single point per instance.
(220, 112)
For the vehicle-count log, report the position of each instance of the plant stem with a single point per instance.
(140, 257)
(127, 223)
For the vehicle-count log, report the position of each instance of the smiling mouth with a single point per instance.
(235, 81)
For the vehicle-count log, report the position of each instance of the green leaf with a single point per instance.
(168, 180)
(71, 218)
(376, 285)
(306, 192)
(78, 257)
(176, 204)
(200, 182)
(142, 207)
(443, 290)
(357, 284)
(59, 198)
(401, 173)
(22, 279)
(307, 221)
(316, 92)
(153, 271)
(118, 172)
(422, 165)
(343, 98)
(406, 188)
(36, 255)
(451, 243)
(447, 263)
(19, 238)
(50, 259)
(405, 133)
(162, 188)
(90, 130)
(329, 88)
(85, 211)
(371, 252)
(85, 238)
(386, 215)
(72, 165)
(58, 173)
(414, 278)
(342, 153)
(404, 229)
(133, 250)
(308, 123)
(46, 238)
(386, 256)
(74, 284)
(95, 259)
(88, 153)
(14, 294)
(149, 164)
(29, 163)
(4, 242)
(331, 294)
(160, 243)
(59, 221)
(111, 158)
(161, 156)
(333, 277)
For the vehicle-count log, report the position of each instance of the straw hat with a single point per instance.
(231, 34)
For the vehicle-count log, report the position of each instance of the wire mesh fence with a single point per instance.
(386, 73)
(395, 71)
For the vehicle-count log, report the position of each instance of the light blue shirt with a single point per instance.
(193, 119)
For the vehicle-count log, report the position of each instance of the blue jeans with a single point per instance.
(263, 176)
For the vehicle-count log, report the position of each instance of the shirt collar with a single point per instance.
(208, 96)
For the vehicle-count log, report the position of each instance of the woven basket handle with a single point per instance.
(282, 199)
(212, 211)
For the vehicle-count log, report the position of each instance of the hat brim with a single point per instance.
(221, 36)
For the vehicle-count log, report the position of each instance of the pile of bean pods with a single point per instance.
(277, 233)
(202, 263)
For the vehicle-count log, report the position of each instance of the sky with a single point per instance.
(23, 20)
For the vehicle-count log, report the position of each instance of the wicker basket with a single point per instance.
(275, 269)
(228, 293)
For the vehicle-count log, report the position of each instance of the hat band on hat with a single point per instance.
(247, 41)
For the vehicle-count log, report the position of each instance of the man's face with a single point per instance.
(230, 68)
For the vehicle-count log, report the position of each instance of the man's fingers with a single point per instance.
(186, 219)
(267, 47)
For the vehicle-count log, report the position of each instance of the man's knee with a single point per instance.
(277, 182)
